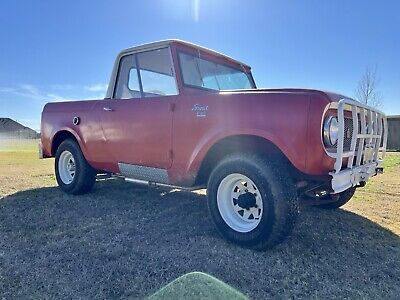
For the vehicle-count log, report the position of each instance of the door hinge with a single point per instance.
(172, 106)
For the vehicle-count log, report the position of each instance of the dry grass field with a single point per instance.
(124, 240)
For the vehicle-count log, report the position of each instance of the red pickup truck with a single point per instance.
(177, 114)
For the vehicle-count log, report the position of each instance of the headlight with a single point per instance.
(331, 131)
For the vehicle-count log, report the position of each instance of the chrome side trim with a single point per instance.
(156, 184)
(144, 173)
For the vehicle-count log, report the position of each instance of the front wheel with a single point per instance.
(73, 173)
(252, 201)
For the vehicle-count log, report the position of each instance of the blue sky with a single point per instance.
(58, 50)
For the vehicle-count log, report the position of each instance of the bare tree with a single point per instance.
(367, 90)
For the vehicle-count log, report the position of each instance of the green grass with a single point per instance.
(392, 159)
(30, 146)
(21, 168)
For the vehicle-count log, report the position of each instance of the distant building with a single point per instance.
(10, 129)
(393, 132)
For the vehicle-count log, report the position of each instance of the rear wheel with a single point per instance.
(73, 173)
(252, 201)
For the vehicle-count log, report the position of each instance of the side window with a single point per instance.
(127, 86)
(156, 73)
(208, 70)
(190, 70)
(133, 81)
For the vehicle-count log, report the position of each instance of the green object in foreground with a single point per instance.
(197, 285)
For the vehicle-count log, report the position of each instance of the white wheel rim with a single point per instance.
(66, 167)
(241, 214)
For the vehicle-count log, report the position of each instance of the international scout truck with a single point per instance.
(177, 114)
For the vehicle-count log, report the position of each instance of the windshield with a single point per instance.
(202, 73)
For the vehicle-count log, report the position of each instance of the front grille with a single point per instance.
(348, 133)
(370, 136)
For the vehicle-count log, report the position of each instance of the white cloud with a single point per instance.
(31, 91)
(39, 95)
(29, 88)
(55, 92)
(98, 87)
(24, 90)
(62, 87)
(93, 97)
(55, 97)
(6, 89)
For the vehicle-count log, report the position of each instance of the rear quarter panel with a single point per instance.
(58, 117)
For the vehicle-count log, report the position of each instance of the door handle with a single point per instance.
(107, 109)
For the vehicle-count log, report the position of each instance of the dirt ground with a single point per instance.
(124, 240)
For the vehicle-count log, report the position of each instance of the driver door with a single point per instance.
(137, 122)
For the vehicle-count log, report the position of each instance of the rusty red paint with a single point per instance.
(145, 131)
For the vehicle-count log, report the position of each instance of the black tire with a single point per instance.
(279, 199)
(337, 200)
(84, 177)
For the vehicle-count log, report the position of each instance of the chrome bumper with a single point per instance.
(352, 177)
(367, 149)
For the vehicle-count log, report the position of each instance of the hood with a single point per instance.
(334, 97)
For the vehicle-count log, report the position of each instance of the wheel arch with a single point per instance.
(63, 135)
(236, 144)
